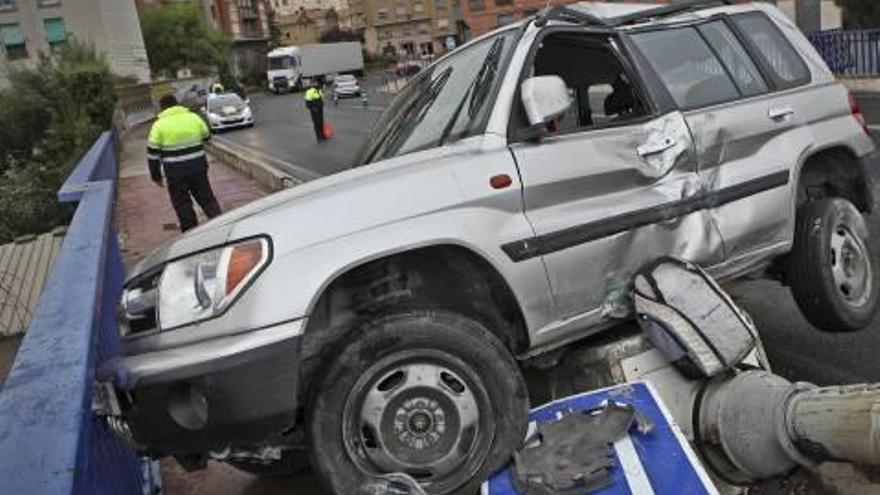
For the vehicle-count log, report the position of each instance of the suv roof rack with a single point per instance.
(561, 13)
(665, 11)
(579, 17)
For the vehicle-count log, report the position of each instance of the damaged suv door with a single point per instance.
(748, 139)
(607, 183)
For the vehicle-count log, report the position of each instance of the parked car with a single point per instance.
(346, 86)
(227, 111)
(375, 318)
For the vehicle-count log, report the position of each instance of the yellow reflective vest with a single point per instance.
(313, 94)
(176, 143)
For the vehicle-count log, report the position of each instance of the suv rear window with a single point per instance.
(687, 66)
(734, 57)
(776, 53)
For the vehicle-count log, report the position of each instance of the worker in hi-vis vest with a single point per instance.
(176, 146)
(315, 103)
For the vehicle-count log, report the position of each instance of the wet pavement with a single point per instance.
(283, 129)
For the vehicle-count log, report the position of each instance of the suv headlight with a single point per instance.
(203, 285)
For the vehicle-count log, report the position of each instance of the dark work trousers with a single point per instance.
(186, 188)
(316, 109)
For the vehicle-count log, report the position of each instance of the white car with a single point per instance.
(346, 86)
(228, 110)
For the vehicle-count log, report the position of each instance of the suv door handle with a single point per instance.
(656, 147)
(779, 113)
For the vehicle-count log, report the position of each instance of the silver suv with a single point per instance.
(375, 318)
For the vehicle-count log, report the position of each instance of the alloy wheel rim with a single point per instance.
(851, 267)
(421, 412)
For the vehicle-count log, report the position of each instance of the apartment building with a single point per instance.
(29, 28)
(292, 7)
(306, 25)
(246, 22)
(414, 28)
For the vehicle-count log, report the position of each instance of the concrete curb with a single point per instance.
(267, 174)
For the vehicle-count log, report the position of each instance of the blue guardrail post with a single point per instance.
(50, 442)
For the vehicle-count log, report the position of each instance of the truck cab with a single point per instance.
(283, 74)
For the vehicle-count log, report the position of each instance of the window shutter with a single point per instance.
(55, 31)
(11, 35)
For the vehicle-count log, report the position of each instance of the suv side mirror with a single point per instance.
(544, 98)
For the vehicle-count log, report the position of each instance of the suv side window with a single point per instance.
(775, 52)
(603, 94)
(686, 65)
(734, 57)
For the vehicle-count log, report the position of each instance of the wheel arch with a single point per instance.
(820, 175)
(413, 276)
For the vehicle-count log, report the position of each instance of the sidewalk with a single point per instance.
(145, 219)
(144, 216)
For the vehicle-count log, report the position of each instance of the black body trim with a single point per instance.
(250, 398)
(563, 239)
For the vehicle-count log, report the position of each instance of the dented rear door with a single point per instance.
(748, 133)
(604, 202)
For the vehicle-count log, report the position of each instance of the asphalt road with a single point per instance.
(283, 129)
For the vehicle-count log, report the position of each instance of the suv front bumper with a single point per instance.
(238, 391)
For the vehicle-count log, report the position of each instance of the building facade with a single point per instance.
(414, 29)
(302, 27)
(29, 28)
(246, 22)
(291, 7)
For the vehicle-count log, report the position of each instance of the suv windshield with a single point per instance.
(282, 62)
(447, 101)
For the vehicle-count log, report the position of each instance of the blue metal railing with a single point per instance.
(50, 442)
(852, 53)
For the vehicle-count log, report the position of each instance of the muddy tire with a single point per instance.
(430, 393)
(291, 462)
(831, 270)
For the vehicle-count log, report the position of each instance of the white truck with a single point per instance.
(292, 67)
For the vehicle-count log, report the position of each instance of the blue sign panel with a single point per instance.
(658, 462)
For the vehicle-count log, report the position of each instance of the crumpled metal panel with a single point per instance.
(573, 454)
(670, 133)
(601, 210)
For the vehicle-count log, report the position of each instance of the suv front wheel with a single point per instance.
(430, 393)
(830, 267)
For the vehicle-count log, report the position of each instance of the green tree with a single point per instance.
(860, 13)
(49, 116)
(177, 36)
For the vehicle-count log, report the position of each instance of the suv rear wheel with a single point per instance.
(429, 393)
(830, 268)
